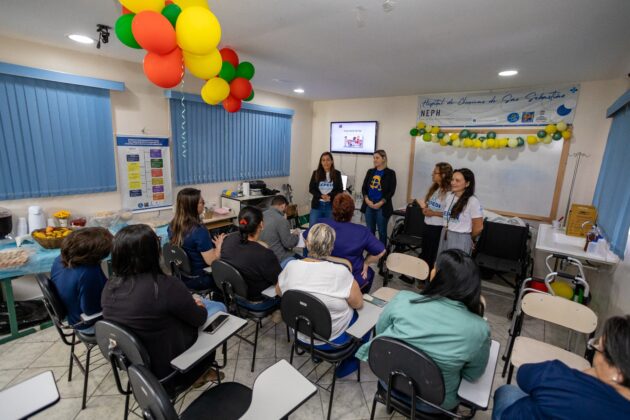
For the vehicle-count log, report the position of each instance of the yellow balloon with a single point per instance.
(476, 143)
(185, 4)
(484, 144)
(491, 142)
(215, 90)
(454, 136)
(561, 126)
(547, 139)
(532, 140)
(429, 128)
(444, 141)
(512, 143)
(137, 6)
(198, 31)
(566, 134)
(421, 125)
(467, 143)
(435, 129)
(562, 289)
(456, 143)
(551, 128)
(502, 142)
(204, 66)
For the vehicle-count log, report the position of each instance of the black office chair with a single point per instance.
(406, 236)
(68, 333)
(232, 284)
(229, 400)
(306, 314)
(504, 249)
(177, 260)
(408, 371)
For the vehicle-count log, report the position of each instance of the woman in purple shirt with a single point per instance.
(352, 240)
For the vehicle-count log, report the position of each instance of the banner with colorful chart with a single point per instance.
(144, 168)
(500, 108)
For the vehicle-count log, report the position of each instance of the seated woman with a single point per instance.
(257, 264)
(158, 308)
(554, 390)
(353, 240)
(444, 321)
(78, 276)
(330, 282)
(187, 232)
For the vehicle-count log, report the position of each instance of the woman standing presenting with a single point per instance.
(325, 184)
(378, 189)
(463, 215)
(432, 208)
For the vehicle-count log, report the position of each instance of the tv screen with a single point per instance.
(353, 137)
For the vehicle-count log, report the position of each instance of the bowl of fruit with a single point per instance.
(50, 237)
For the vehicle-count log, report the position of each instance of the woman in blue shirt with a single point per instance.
(77, 273)
(187, 232)
(554, 390)
(379, 186)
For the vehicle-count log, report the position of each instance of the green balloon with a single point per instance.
(421, 131)
(464, 134)
(171, 12)
(413, 132)
(426, 137)
(521, 141)
(491, 135)
(541, 134)
(123, 31)
(440, 135)
(245, 70)
(557, 135)
(250, 97)
(228, 72)
(473, 135)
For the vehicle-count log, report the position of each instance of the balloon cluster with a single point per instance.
(489, 140)
(182, 34)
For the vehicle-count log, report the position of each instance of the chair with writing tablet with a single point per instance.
(408, 235)
(407, 265)
(177, 260)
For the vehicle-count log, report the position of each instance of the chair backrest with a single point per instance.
(406, 366)
(225, 274)
(306, 313)
(120, 346)
(263, 243)
(408, 265)
(504, 241)
(54, 306)
(414, 220)
(177, 259)
(560, 311)
(150, 395)
(340, 260)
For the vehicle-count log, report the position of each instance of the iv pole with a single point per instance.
(579, 156)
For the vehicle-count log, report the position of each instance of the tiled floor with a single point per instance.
(43, 350)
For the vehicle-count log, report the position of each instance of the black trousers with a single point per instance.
(430, 243)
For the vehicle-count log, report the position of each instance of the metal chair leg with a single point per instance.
(373, 408)
(86, 376)
(71, 358)
(255, 345)
(510, 372)
(288, 335)
(332, 391)
(126, 415)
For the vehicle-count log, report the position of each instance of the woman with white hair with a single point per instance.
(331, 282)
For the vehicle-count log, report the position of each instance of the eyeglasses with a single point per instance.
(595, 344)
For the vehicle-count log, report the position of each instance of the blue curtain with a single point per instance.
(612, 193)
(215, 146)
(55, 139)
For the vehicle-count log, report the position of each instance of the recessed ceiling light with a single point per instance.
(298, 90)
(508, 73)
(81, 39)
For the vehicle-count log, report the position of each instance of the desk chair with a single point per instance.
(406, 265)
(407, 236)
(559, 311)
(68, 333)
(232, 284)
(504, 249)
(179, 263)
(407, 370)
(308, 315)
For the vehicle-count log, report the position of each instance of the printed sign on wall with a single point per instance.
(500, 108)
(144, 166)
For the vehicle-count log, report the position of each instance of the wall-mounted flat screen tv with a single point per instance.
(358, 137)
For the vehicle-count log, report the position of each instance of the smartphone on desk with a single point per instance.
(374, 300)
(216, 323)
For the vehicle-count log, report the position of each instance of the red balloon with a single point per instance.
(167, 2)
(231, 104)
(125, 11)
(154, 32)
(240, 88)
(229, 55)
(166, 70)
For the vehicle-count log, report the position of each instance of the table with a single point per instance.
(478, 392)
(368, 315)
(219, 220)
(270, 291)
(555, 241)
(278, 391)
(263, 202)
(29, 397)
(206, 342)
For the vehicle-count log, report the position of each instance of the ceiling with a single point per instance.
(347, 49)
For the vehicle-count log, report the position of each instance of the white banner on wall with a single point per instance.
(144, 167)
(500, 108)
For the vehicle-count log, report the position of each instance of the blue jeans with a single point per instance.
(201, 282)
(213, 307)
(287, 260)
(504, 397)
(324, 211)
(376, 219)
(263, 305)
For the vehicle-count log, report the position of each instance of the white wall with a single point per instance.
(142, 106)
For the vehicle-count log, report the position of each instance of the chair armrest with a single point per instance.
(477, 393)
(89, 318)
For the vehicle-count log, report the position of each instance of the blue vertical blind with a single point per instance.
(55, 138)
(612, 193)
(218, 146)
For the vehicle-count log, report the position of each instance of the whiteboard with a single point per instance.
(520, 181)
